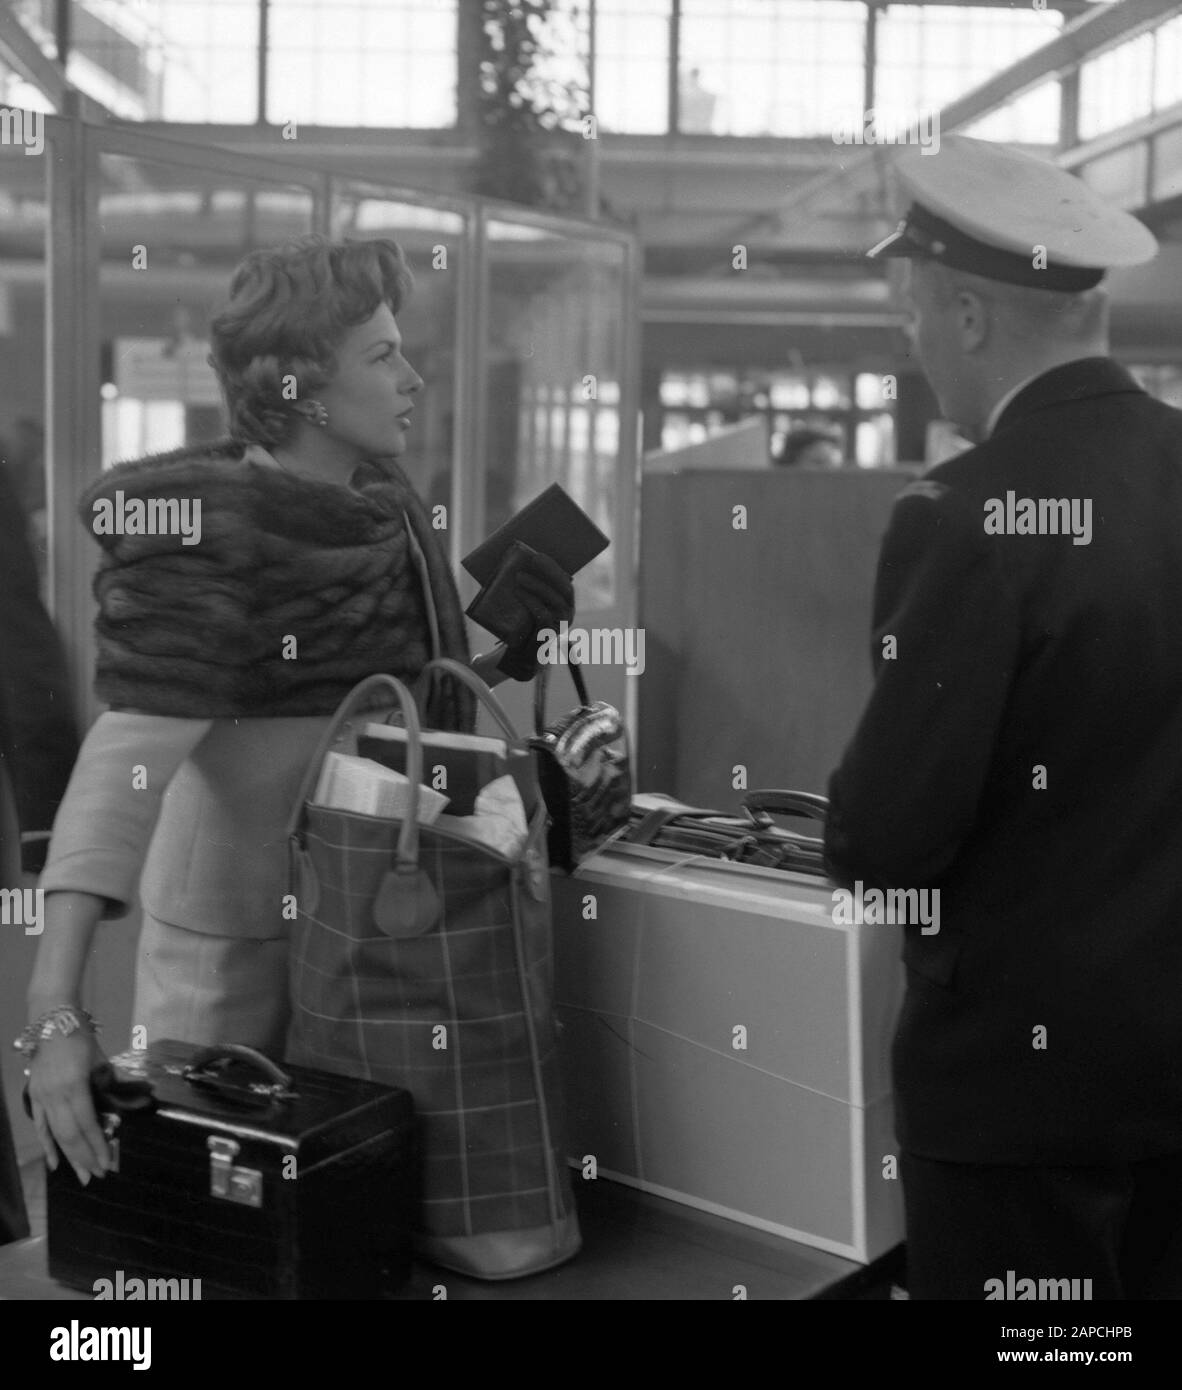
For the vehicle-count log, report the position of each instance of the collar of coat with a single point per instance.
(228, 588)
(1073, 381)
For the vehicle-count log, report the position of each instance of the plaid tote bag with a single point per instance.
(421, 958)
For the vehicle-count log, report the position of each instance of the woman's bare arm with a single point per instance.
(59, 1073)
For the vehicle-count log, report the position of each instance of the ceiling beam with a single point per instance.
(25, 54)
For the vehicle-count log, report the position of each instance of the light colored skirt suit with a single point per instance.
(201, 805)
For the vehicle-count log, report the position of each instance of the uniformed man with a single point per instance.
(1021, 752)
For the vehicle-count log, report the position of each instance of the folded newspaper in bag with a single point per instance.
(349, 783)
(458, 765)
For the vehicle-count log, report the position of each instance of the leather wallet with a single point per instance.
(497, 607)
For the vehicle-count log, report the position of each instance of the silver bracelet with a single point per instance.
(63, 1019)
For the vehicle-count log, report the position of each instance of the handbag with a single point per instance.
(752, 838)
(421, 957)
(584, 771)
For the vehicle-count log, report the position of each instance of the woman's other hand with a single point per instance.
(61, 1103)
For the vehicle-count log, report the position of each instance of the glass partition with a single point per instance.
(558, 366)
(435, 243)
(170, 239)
(117, 246)
(555, 356)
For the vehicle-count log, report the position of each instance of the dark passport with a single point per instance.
(552, 524)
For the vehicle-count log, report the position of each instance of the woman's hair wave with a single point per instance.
(274, 342)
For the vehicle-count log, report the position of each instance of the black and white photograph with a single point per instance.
(591, 671)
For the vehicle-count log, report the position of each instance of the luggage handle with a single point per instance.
(761, 806)
(645, 831)
(407, 851)
(278, 1084)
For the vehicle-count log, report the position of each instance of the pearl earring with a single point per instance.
(318, 415)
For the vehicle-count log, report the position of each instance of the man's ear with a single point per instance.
(972, 320)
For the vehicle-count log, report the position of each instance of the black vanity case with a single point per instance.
(260, 1182)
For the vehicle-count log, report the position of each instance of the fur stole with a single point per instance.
(280, 596)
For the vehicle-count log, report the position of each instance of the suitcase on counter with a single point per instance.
(725, 1038)
(750, 838)
(259, 1182)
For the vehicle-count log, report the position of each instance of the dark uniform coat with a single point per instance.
(1022, 752)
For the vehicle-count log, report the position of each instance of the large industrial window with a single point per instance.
(17, 91)
(1167, 87)
(631, 65)
(750, 68)
(160, 60)
(1116, 87)
(363, 62)
(928, 55)
(1032, 118)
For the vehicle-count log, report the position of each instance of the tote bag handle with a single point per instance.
(407, 852)
(466, 676)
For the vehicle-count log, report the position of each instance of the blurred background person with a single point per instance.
(810, 448)
(23, 455)
(696, 104)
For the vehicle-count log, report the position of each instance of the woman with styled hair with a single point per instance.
(309, 565)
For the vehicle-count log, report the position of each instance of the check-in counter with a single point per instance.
(725, 1033)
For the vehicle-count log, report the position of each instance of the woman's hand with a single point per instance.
(547, 593)
(60, 1099)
